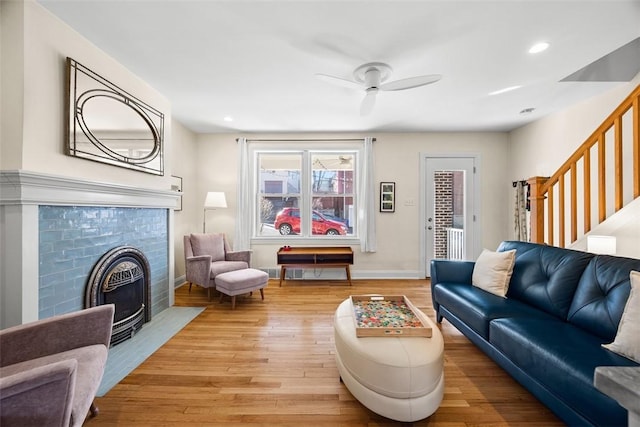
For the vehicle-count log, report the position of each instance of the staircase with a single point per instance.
(597, 189)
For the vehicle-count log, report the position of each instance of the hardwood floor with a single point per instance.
(272, 363)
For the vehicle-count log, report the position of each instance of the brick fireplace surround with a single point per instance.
(54, 229)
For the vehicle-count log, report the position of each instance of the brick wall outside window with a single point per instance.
(443, 181)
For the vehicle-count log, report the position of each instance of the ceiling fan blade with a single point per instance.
(368, 102)
(411, 82)
(339, 81)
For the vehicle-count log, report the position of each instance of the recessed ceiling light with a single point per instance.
(506, 89)
(228, 119)
(539, 47)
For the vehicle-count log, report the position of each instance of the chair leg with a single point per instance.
(221, 297)
(190, 286)
(93, 410)
(262, 294)
(233, 302)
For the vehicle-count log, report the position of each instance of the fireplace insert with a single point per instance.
(122, 277)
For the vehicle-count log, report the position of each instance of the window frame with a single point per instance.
(306, 148)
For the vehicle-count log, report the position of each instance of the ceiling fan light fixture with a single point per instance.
(380, 70)
(372, 77)
(227, 119)
(539, 47)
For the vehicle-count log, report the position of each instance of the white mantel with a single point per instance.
(21, 193)
(32, 188)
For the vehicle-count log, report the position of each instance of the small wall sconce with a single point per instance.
(214, 200)
(605, 245)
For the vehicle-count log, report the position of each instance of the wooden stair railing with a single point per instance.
(566, 189)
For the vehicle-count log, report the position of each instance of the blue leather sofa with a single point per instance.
(561, 306)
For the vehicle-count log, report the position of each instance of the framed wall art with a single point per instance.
(387, 197)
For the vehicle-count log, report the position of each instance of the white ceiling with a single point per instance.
(255, 60)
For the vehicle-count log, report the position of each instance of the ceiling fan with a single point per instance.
(372, 77)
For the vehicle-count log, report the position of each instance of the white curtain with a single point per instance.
(520, 212)
(242, 239)
(366, 197)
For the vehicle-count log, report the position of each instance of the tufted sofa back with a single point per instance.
(545, 276)
(602, 294)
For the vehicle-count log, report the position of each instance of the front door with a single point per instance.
(450, 230)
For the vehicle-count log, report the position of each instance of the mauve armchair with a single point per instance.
(50, 369)
(207, 255)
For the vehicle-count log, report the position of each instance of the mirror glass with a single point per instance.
(108, 125)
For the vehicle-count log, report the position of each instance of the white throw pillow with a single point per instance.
(492, 271)
(627, 341)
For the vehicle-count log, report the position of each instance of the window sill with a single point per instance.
(306, 241)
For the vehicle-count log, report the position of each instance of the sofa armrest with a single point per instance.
(449, 271)
(40, 396)
(198, 270)
(444, 270)
(56, 334)
(239, 256)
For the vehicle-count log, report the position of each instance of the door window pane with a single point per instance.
(449, 214)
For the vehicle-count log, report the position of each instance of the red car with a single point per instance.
(288, 222)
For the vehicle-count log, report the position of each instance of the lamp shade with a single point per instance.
(601, 244)
(215, 199)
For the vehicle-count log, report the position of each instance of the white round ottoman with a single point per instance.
(400, 378)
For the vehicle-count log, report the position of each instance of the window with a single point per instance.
(306, 193)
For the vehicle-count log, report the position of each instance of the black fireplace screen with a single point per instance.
(122, 277)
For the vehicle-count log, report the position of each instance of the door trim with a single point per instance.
(476, 200)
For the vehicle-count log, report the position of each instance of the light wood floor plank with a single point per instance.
(272, 363)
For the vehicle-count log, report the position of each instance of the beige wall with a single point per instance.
(11, 83)
(35, 47)
(189, 219)
(397, 158)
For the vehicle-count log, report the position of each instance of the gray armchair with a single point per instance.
(50, 369)
(207, 255)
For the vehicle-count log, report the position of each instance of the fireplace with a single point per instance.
(58, 227)
(122, 277)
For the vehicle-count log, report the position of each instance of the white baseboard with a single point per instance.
(333, 274)
(179, 281)
(387, 274)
